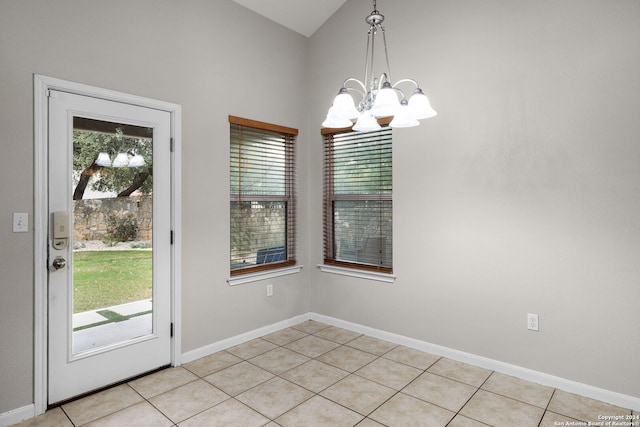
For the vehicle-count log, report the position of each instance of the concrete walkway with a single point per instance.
(108, 331)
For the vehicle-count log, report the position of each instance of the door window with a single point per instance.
(112, 233)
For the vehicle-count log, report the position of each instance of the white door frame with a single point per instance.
(41, 87)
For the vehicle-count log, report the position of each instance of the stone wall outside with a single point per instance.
(90, 216)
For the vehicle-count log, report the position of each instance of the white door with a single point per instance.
(109, 255)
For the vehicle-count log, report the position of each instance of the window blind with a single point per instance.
(358, 210)
(263, 205)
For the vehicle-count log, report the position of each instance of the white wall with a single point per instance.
(522, 195)
(214, 59)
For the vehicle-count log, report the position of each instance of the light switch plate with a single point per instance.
(20, 222)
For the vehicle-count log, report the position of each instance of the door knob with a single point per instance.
(59, 263)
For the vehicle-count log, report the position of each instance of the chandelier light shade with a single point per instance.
(121, 160)
(419, 105)
(136, 161)
(103, 159)
(366, 123)
(336, 120)
(404, 118)
(378, 96)
(386, 102)
(344, 105)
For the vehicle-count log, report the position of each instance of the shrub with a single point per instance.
(121, 229)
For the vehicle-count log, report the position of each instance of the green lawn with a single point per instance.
(107, 278)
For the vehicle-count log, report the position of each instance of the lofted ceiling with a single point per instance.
(301, 16)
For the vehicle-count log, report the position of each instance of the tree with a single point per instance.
(88, 144)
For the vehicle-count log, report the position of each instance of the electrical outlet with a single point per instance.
(269, 290)
(532, 322)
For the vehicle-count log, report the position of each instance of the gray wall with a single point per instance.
(522, 195)
(213, 58)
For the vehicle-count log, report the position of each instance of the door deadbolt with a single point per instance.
(59, 263)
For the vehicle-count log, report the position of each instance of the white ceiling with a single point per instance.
(302, 16)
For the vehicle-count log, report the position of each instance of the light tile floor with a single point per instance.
(313, 374)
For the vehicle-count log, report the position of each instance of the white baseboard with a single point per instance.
(239, 339)
(16, 415)
(607, 396)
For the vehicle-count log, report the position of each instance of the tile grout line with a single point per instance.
(310, 359)
(546, 408)
(67, 415)
(345, 344)
(274, 374)
(469, 399)
(148, 400)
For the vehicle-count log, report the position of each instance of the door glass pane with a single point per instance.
(112, 233)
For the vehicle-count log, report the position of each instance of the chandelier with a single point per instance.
(121, 160)
(124, 158)
(378, 96)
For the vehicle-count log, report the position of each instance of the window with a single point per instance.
(262, 196)
(358, 199)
